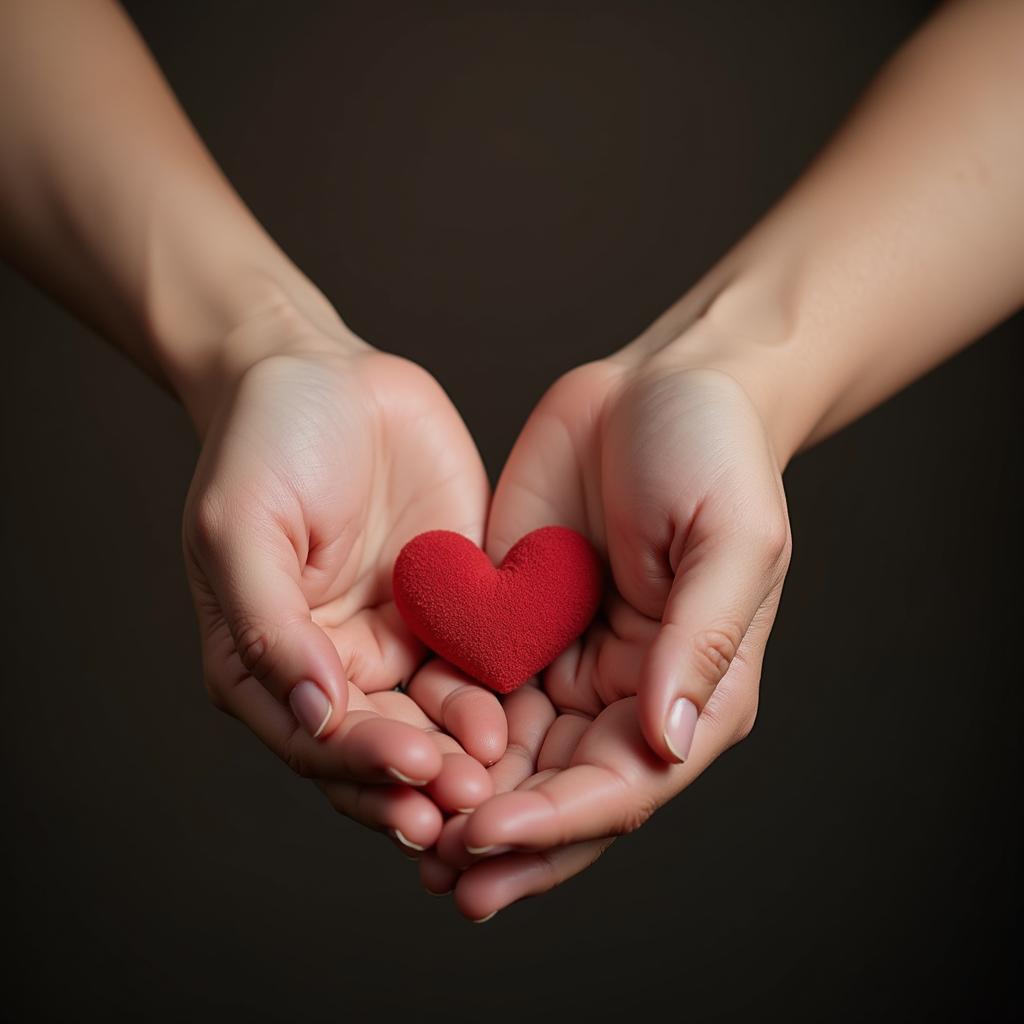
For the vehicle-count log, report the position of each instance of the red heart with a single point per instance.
(499, 625)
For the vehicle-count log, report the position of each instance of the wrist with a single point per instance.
(226, 326)
(747, 326)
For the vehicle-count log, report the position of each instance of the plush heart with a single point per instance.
(499, 625)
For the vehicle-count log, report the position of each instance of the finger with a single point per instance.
(461, 708)
(437, 877)
(713, 600)
(376, 749)
(529, 714)
(615, 781)
(597, 670)
(461, 785)
(493, 884)
(451, 845)
(561, 741)
(410, 817)
(376, 647)
(365, 747)
(462, 782)
(251, 576)
(543, 482)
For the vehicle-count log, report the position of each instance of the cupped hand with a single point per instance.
(670, 472)
(320, 461)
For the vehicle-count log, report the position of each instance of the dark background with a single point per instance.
(501, 191)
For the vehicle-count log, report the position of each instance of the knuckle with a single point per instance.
(638, 814)
(207, 523)
(731, 712)
(714, 649)
(772, 539)
(254, 643)
(779, 540)
(638, 806)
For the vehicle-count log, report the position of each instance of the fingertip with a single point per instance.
(488, 745)
(376, 747)
(474, 901)
(463, 708)
(415, 822)
(502, 820)
(319, 665)
(417, 761)
(491, 886)
(436, 877)
(450, 846)
(680, 725)
(657, 697)
(462, 784)
(477, 720)
(410, 817)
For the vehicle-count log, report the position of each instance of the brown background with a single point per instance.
(501, 191)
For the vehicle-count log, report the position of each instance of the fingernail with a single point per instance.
(408, 842)
(679, 727)
(481, 920)
(464, 810)
(311, 707)
(479, 851)
(430, 892)
(402, 777)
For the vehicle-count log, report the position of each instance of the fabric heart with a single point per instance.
(499, 625)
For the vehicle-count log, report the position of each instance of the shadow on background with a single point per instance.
(502, 191)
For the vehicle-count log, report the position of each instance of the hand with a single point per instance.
(320, 461)
(669, 470)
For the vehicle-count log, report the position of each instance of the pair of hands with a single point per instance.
(318, 464)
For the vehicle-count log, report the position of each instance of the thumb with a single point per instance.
(710, 607)
(254, 576)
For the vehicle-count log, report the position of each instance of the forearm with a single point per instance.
(110, 201)
(903, 242)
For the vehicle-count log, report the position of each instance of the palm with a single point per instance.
(322, 465)
(349, 458)
(654, 468)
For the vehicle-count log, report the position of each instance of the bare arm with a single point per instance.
(902, 243)
(320, 454)
(109, 199)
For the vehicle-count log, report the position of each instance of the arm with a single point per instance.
(109, 199)
(320, 455)
(903, 242)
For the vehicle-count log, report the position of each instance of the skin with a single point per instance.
(312, 475)
(899, 245)
(320, 455)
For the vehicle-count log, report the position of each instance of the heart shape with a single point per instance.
(501, 625)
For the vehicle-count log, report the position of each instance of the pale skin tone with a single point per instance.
(903, 242)
(321, 455)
